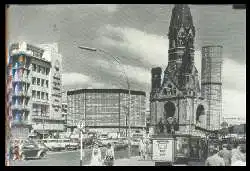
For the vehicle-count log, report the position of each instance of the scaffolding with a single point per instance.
(211, 84)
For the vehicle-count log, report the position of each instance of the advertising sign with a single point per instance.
(163, 150)
(182, 147)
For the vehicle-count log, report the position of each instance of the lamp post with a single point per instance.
(128, 84)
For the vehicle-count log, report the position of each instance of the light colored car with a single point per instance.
(31, 149)
(53, 144)
(135, 142)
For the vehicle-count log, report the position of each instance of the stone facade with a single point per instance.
(178, 95)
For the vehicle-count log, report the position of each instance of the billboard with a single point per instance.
(163, 149)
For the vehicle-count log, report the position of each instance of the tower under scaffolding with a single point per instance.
(211, 84)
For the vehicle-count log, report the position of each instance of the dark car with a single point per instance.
(31, 149)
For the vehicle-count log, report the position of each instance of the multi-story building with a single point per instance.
(32, 92)
(55, 78)
(106, 110)
(65, 113)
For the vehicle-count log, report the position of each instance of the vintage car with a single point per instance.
(31, 149)
(71, 145)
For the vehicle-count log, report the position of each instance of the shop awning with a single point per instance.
(43, 132)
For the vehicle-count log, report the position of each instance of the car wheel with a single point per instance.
(42, 155)
(23, 157)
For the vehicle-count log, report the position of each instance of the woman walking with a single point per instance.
(109, 156)
(96, 159)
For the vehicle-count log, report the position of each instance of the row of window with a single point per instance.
(40, 82)
(40, 95)
(40, 69)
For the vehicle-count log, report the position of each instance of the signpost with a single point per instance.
(81, 126)
(163, 150)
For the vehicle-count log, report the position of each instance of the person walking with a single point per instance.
(215, 160)
(109, 156)
(239, 156)
(146, 150)
(141, 149)
(226, 154)
(96, 159)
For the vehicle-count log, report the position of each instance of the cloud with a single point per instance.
(150, 48)
(80, 80)
(74, 78)
(234, 103)
(153, 50)
(234, 75)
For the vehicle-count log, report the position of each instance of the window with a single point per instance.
(33, 67)
(42, 95)
(33, 80)
(47, 71)
(38, 81)
(42, 83)
(47, 96)
(43, 70)
(38, 68)
(33, 94)
(47, 83)
(38, 94)
(187, 78)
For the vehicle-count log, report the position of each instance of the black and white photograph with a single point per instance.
(125, 85)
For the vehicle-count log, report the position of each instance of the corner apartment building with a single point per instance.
(106, 110)
(31, 94)
(30, 87)
(56, 119)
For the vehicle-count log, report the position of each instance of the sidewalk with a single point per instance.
(133, 161)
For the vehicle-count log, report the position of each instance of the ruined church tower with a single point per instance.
(178, 94)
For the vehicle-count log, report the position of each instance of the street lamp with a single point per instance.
(129, 92)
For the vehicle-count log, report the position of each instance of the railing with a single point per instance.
(21, 93)
(22, 79)
(18, 51)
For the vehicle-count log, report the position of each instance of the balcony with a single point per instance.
(22, 79)
(21, 93)
(22, 66)
(20, 51)
(20, 123)
(20, 107)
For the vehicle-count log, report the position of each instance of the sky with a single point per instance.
(137, 34)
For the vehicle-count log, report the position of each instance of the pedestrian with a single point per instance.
(141, 149)
(146, 149)
(226, 154)
(239, 156)
(109, 156)
(96, 159)
(150, 149)
(215, 160)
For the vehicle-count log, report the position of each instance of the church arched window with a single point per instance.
(165, 91)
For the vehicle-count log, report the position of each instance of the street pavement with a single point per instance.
(72, 158)
(68, 158)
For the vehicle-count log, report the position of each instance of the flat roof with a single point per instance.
(125, 91)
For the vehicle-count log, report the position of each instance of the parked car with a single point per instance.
(135, 142)
(72, 145)
(31, 149)
(53, 144)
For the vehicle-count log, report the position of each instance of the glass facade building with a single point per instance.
(106, 109)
